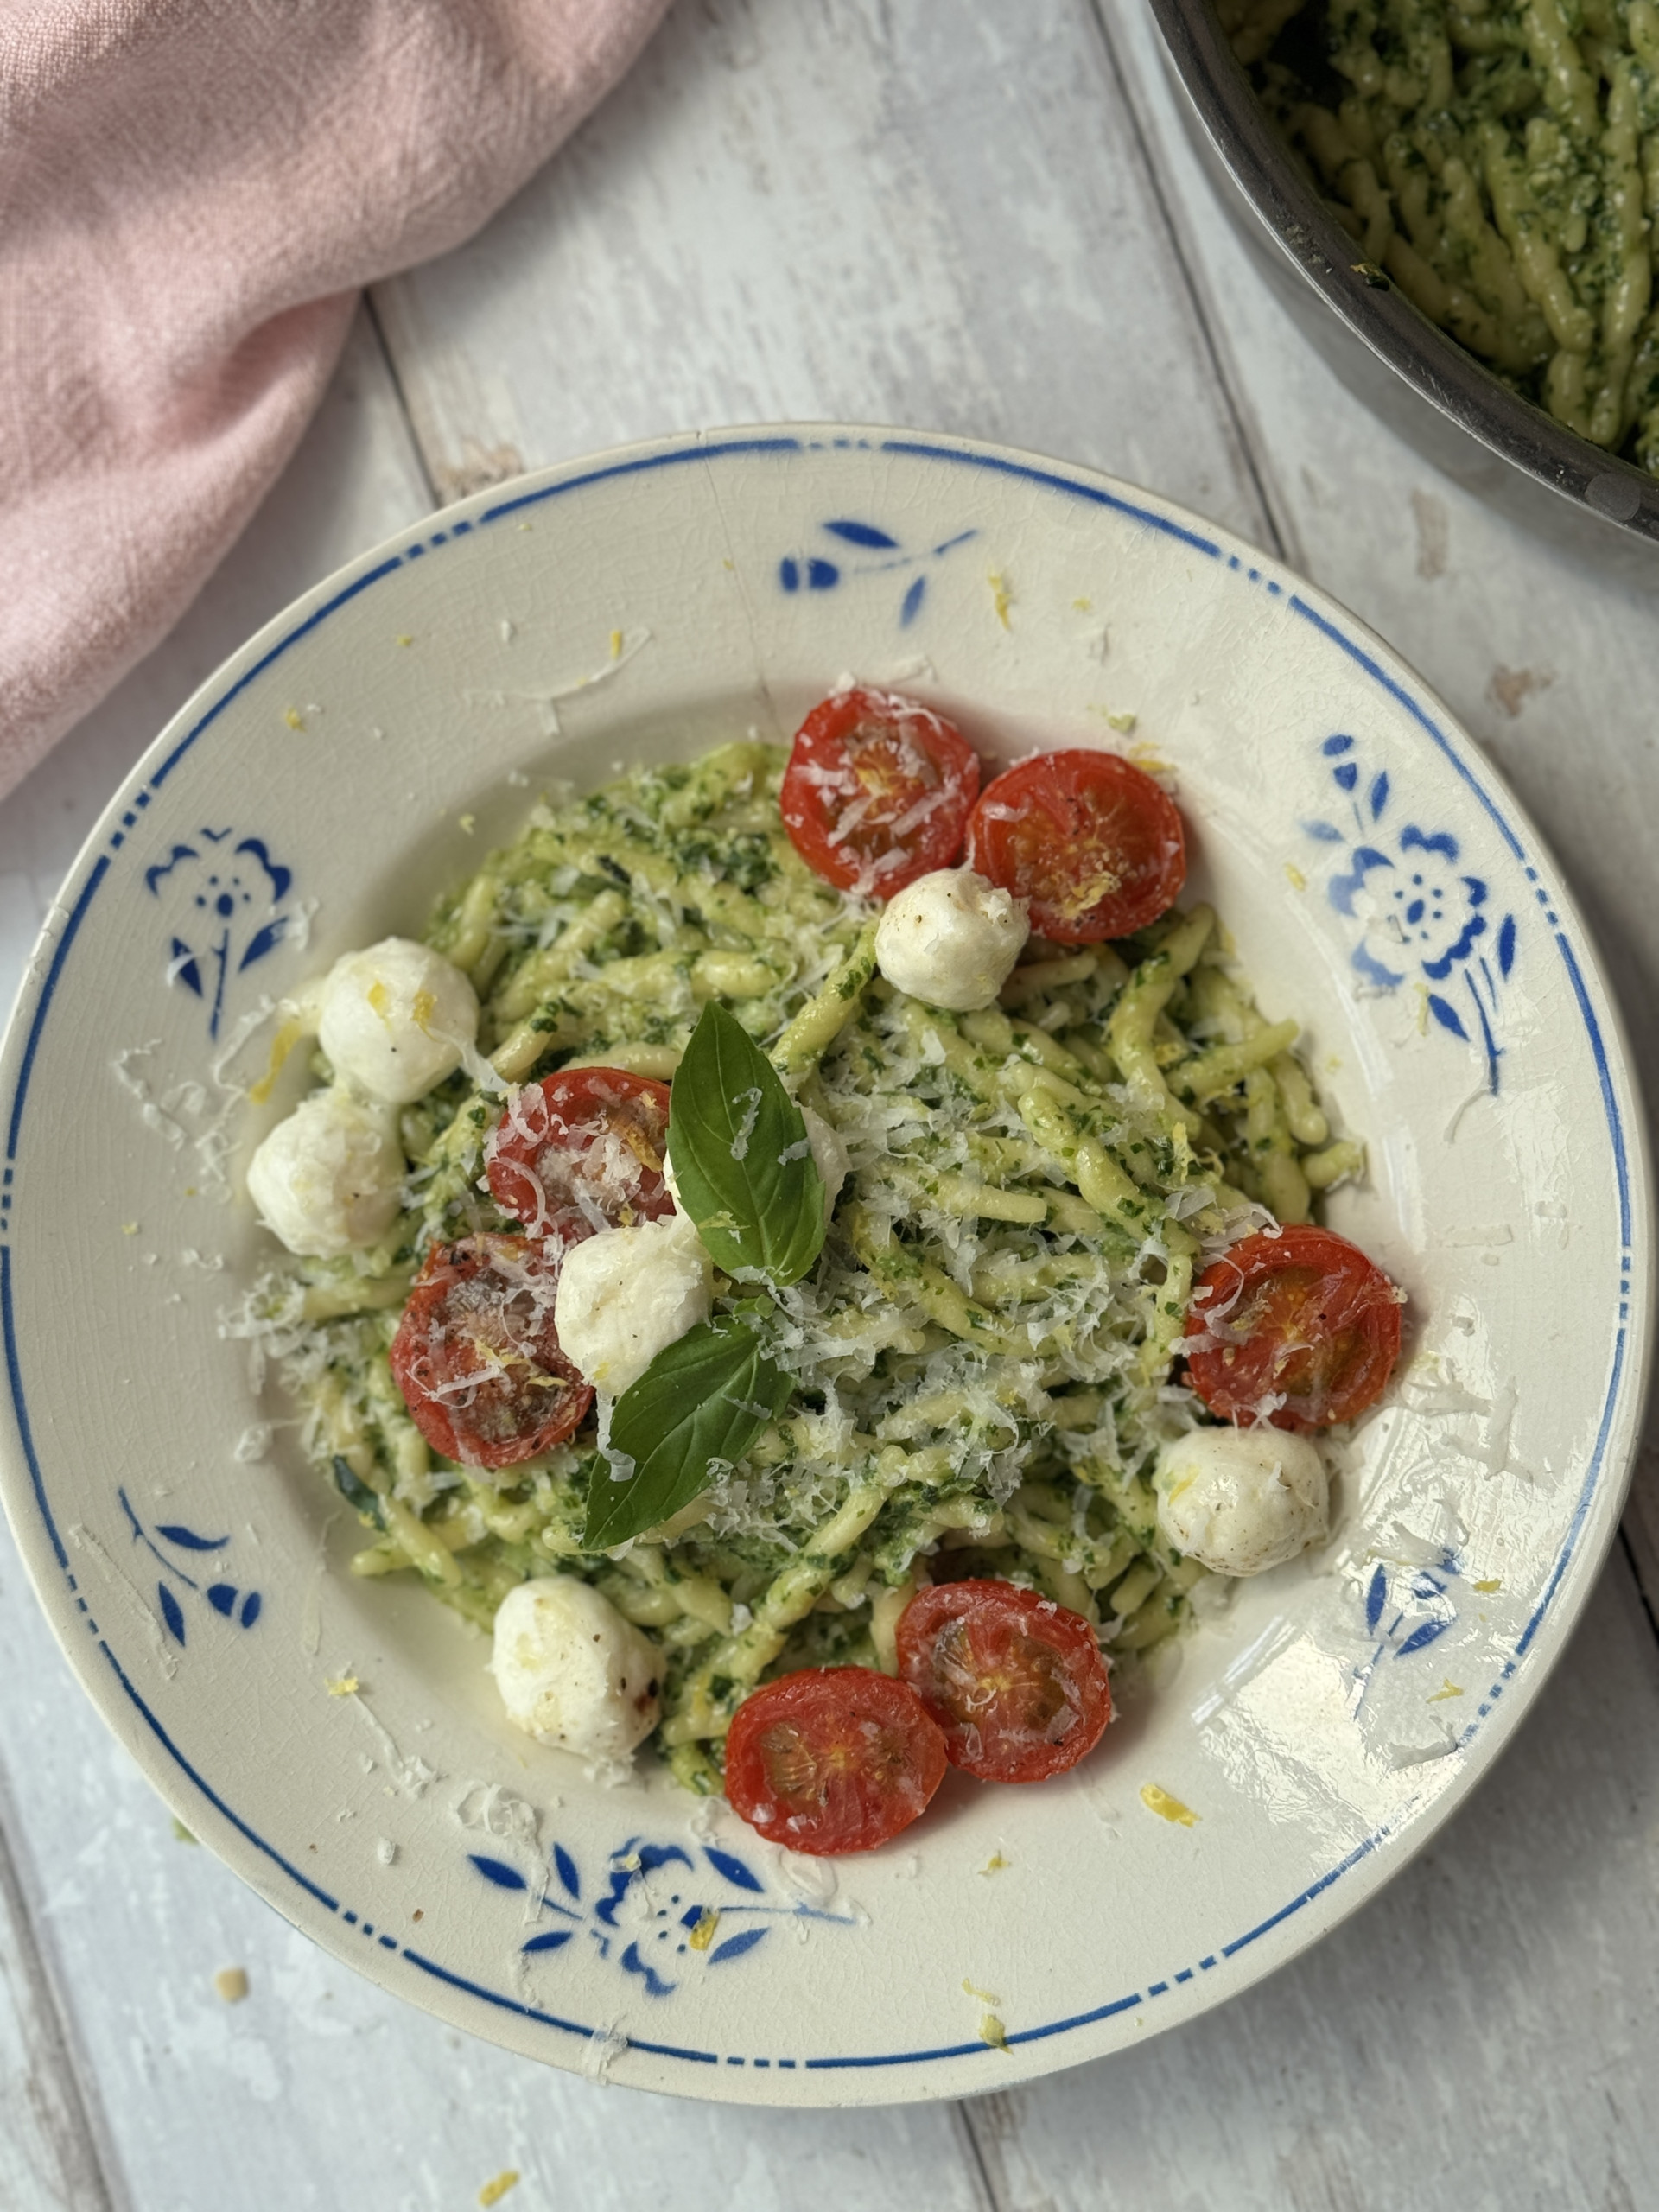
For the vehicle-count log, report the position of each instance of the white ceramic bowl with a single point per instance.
(1380, 881)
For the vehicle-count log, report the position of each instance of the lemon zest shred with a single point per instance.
(1167, 1807)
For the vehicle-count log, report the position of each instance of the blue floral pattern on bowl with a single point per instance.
(715, 1911)
(1420, 914)
(228, 897)
(886, 555)
(226, 1598)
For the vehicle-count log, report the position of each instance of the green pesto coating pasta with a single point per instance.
(1501, 162)
(982, 1354)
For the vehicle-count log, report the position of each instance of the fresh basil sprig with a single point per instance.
(706, 1397)
(740, 1156)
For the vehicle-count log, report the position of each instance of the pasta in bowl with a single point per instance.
(986, 1351)
(984, 1245)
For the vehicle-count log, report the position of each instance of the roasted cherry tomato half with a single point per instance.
(1093, 846)
(476, 1357)
(877, 790)
(1299, 1329)
(834, 1758)
(582, 1150)
(1016, 1683)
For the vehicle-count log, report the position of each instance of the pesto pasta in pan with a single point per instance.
(1501, 163)
(808, 1298)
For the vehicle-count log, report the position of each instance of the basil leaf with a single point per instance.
(740, 1156)
(706, 1397)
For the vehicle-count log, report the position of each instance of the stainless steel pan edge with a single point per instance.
(1438, 398)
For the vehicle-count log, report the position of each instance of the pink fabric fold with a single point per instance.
(192, 193)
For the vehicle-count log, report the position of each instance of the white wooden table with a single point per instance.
(986, 220)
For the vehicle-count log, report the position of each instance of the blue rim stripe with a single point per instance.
(61, 953)
(259, 667)
(614, 469)
(551, 2019)
(1398, 692)
(1049, 480)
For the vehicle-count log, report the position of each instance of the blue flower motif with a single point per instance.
(1421, 914)
(226, 902)
(660, 1911)
(887, 556)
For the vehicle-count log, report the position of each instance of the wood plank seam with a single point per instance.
(372, 314)
(973, 2115)
(57, 2089)
(1277, 527)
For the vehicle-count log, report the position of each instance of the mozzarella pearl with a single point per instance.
(628, 1294)
(397, 1019)
(1242, 1500)
(328, 1179)
(572, 1673)
(951, 939)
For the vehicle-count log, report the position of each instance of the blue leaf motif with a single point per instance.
(822, 575)
(1379, 793)
(1347, 774)
(250, 1608)
(735, 1946)
(1506, 945)
(222, 1596)
(171, 1611)
(183, 966)
(789, 575)
(735, 1871)
(553, 1941)
(189, 1540)
(1326, 832)
(1375, 1596)
(565, 1867)
(1335, 745)
(1420, 1637)
(497, 1871)
(1447, 1015)
(912, 605)
(863, 533)
(262, 942)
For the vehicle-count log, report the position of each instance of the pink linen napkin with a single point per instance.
(192, 193)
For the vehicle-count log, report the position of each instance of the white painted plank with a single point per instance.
(48, 2159)
(1478, 2039)
(1553, 670)
(928, 216)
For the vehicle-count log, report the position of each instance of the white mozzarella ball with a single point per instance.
(830, 1157)
(1242, 1500)
(628, 1294)
(397, 1019)
(572, 1673)
(328, 1179)
(951, 939)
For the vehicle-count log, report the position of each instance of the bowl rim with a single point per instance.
(1030, 2051)
(1614, 493)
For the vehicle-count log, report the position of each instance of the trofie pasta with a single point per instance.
(967, 1377)
(1501, 164)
